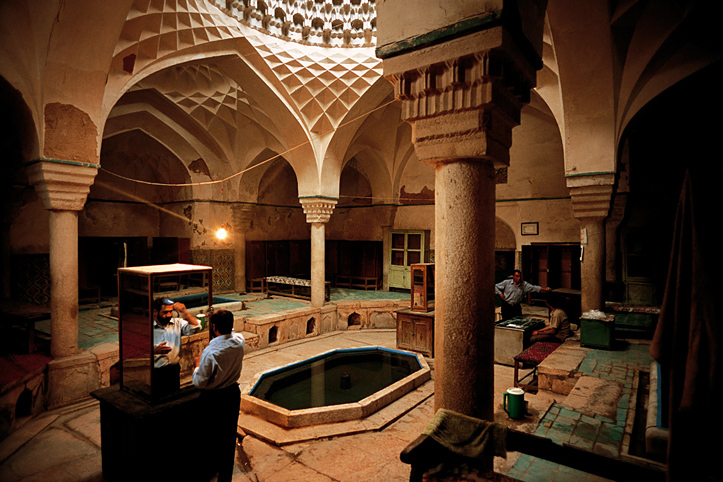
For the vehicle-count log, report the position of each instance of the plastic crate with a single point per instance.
(597, 333)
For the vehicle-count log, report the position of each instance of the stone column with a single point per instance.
(591, 204)
(241, 223)
(462, 98)
(63, 187)
(386, 216)
(318, 211)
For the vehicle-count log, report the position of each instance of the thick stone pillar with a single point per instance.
(241, 223)
(591, 204)
(464, 275)
(462, 98)
(318, 211)
(63, 187)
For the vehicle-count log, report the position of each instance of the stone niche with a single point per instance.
(279, 328)
(368, 313)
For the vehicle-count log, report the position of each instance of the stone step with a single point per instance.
(559, 372)
(252, 341)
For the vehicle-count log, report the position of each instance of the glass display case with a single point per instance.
(138, 287)
(422, 287)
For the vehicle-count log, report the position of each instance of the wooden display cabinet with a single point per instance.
(415, 331)
(422, 287)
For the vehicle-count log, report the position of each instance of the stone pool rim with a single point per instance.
(334, 413)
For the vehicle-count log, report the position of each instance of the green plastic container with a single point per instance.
(597, 333)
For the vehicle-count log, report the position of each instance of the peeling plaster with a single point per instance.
(425, 195)
(70, 134)
(199, 166)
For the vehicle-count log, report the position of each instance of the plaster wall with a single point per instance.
(274, 223)
(426, 16)
(355, 224)
(536, 190)
(118, 219)
(29, 228)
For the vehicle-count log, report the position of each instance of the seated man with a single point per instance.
(559, 327)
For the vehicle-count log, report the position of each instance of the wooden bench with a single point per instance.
(88, 294)
(256, 285)
(360, 282)
(293, 287)
(531, 358)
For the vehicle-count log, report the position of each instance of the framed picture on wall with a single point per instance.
(530, 229)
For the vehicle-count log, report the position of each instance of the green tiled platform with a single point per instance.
(597, 434)
(96, 326)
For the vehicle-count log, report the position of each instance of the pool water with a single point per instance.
(337, 377)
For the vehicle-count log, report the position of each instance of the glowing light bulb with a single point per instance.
(221, 233)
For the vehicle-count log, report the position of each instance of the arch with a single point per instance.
(237, 59)
(136, 155)
(18, 134)
(584, 33)
(354, 186)
(505, 239)
(266, 164)
(278, 185)
(377, 173)
(364, 116)
(18, 143)
(663, 50)
(146, 110)
(403, 160)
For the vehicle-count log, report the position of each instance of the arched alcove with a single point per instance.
(354, 186)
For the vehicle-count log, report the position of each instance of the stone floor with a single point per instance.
(64, 445)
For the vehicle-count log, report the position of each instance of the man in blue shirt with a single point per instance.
(216, 374)
(512, 292)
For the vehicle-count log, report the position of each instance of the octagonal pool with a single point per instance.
(335, 386)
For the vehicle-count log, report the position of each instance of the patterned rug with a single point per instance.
(537, 352)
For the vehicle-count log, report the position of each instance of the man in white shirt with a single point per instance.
(167, 330)
(167, 333)
(216, 374)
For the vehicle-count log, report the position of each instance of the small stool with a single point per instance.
(532, 356)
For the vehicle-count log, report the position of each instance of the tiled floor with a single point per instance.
(65, 444)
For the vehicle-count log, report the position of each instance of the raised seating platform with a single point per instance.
(531, 358)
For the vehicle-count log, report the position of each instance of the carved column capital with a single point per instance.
(62, 185)
(463, 98)
(318, 209)
(591, 201)
(591, 195)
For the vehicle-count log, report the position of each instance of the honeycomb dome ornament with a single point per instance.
(327, 23)
(324, 84)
